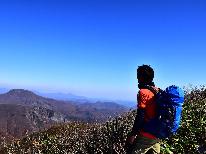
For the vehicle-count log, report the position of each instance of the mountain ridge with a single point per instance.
(23, 112)
(61, 96)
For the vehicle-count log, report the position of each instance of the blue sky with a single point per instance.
(93, 48)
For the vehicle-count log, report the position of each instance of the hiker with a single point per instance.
(140, 141)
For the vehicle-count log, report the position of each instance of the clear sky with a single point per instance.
(93, 47)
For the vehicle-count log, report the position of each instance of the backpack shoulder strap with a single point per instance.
(153, 90)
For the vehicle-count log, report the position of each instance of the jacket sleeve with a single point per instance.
(139, 122)
(142, 99)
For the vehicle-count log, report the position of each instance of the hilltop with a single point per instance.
(109, 137)
(23, 112)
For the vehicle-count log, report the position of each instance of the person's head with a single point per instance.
(145, 74)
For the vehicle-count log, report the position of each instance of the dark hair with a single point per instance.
(146, 72)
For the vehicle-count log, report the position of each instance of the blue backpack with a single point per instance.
(169, 109)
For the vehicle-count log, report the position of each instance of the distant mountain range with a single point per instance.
(77, 99)
(83, 99)
(23, 112)
(64, 96)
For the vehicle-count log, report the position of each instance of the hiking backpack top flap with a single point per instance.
(169, 109)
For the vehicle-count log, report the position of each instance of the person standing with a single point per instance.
(142, 141)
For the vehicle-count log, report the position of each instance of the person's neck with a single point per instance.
(145, 84)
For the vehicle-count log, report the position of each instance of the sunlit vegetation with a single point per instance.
(110, 137)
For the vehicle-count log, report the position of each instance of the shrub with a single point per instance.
(110, 137)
